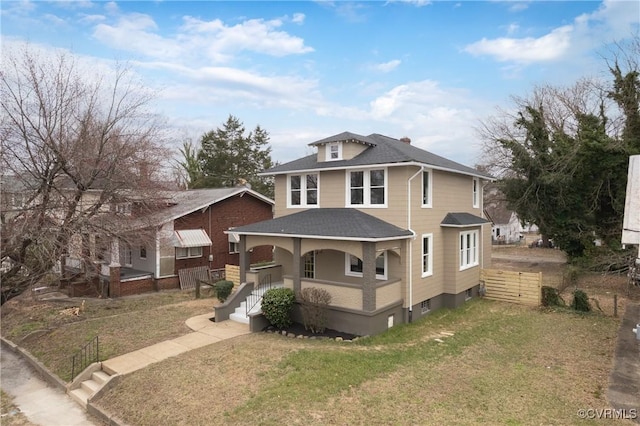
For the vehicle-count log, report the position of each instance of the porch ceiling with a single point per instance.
(328, 223)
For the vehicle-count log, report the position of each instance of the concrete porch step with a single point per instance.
(89, 387)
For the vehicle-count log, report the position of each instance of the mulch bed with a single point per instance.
(298, 330)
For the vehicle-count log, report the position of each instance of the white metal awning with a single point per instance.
(191, 238)
(233, 237)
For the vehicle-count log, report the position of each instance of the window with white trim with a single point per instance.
(426, 188)
(476, 193)
(425, 306)
(468, 294)
(310, 265)
(468, 249)
(143, 252)
(367, 188)
(303, 190)
(234, 247)
(427, 255)
(334, 151)
(353, 266)
(188, 252)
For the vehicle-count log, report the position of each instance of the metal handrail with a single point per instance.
(89, 354)
(256, 295)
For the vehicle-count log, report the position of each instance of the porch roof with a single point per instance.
(461, 220)
(328, 224)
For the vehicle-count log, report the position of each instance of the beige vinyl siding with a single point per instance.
(350, 150)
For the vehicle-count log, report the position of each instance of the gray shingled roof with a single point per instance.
(381, 150)
(328, 223)
(462, 219)
(181, 203)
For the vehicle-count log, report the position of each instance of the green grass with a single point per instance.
(122, 325)
(503, 364)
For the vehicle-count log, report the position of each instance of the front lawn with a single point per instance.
(484, 363)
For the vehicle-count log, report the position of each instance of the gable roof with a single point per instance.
(182, 203)
(329, 224)
(461, 220)
(498, 213)
(381, 150)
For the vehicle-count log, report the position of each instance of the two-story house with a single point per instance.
(389, 230)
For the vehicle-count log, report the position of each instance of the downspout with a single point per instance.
(410, 281)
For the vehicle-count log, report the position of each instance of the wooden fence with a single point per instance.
(509, 286)
(232, 272)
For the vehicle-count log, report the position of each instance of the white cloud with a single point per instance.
(298, 18)
(549, 47)
(199, 40)
(613, 20)
(387, 66)
(91, 19)
(54, 20)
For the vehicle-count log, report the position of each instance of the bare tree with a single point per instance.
(74, 144)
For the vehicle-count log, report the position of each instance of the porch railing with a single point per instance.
(89, 354)
(256, 295)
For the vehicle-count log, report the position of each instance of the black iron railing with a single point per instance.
(256, 295)
(89, 354)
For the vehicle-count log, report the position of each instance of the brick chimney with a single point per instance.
(406, 140)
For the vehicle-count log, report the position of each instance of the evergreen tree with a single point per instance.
(228, 157)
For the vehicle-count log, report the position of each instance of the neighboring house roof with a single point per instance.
(498, 214)
(381, 150)
(329, 224)
(185, 202)
(462, 220)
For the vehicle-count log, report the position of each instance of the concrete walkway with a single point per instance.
(205, 333)
(41, 403)
(624, 382)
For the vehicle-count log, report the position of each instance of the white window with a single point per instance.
(234, 247)
(143, 252)
(476, 193)
(367, 188)
(310, 265)
(303, 190)
(127, 256)
(188, 252)
(426, 188)
(334, 151)
(427, 255)
(468, 294)
(468, 249)
(425, 306)
(354, 266)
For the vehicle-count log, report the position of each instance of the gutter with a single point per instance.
(410, 281)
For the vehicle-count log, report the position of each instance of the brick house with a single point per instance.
(186, 232)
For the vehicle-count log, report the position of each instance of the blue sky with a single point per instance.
(307, 70)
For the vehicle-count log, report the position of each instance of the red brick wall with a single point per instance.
(128, 288)
(232, 212)
(167, 283)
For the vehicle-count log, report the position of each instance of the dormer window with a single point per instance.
(334, 151)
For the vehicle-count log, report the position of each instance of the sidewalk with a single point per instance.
(205, 332)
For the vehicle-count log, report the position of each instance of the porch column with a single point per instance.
(368, 276)
(114, 269)
(297, 265)
(244, 259)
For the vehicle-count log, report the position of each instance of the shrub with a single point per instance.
(580, 301)
(314, 303)
(223, 289)
(551, 297)
(276, 306)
